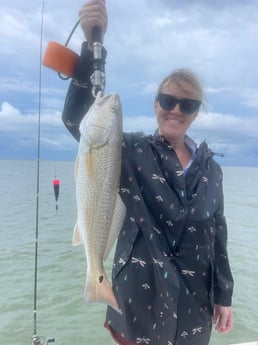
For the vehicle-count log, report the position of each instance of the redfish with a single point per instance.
(101, 211)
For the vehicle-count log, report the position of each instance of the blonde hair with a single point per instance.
(180, 76)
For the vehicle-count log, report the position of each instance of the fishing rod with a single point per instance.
(97, 78)
(98, 83)
(38, 340)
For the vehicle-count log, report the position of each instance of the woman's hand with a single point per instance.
(93, 14)
(222, 318)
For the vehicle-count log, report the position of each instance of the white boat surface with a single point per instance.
(253, 343)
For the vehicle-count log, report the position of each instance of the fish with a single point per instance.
(100, 209)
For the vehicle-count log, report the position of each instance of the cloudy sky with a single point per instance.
(146, 39)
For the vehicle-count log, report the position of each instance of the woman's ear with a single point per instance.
(155, 106)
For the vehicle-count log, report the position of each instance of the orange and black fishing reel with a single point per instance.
(63, 60)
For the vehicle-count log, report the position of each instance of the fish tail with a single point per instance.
(100, 291)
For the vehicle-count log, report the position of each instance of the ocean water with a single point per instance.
(61, 312)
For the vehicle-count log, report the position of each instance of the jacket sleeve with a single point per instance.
(79, 96)
(223, 280)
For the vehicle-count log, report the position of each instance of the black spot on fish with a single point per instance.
(101, 278)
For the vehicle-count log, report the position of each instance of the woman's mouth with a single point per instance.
(174, 120)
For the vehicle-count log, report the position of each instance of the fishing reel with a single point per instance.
(63, 60)
(98, 77)
(37, 340)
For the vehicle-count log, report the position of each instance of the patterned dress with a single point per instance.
(171, 258)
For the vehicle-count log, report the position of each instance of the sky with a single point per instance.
(145, 41)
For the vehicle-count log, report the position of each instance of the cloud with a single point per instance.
(21, 130)
(245, 126)
(14, 85)
(250, 97)
(12, 120)
(235, 137)
(145, 40)
(198, 35)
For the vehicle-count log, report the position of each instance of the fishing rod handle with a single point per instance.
(96, 34)
(98, 76)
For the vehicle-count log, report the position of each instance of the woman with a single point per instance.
(171, 274)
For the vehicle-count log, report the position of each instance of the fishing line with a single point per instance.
(37, 340)
(66, 44)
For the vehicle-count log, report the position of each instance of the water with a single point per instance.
(61, 313)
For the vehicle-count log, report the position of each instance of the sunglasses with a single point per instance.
(187, 105)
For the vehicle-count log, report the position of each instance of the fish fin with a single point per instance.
(89, 163)
(76, 235)
(99, 291)
(76, 167)
(116, 224)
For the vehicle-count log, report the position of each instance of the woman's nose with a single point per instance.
(176, 109)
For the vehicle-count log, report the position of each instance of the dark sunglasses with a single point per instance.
(187, 105)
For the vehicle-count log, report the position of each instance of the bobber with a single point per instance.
(56, 185)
